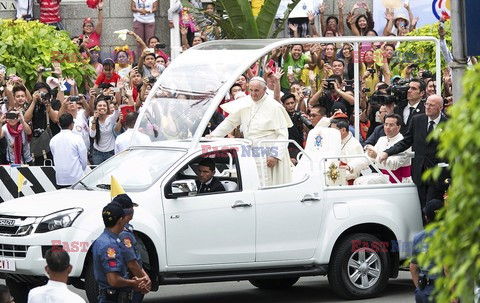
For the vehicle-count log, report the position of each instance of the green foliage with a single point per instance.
(456, 244)
(423, 52)
(240, 22)
(25, 45)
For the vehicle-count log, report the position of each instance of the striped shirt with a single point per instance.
(50, 11)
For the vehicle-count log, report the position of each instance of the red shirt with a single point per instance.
(49, 11)
(102, 79)
(93, 39)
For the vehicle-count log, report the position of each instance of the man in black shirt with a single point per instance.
(42, 114)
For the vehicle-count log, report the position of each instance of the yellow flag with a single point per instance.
(21, 179)
(115, 188)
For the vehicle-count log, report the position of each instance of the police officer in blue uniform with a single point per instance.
(110, 267)
(423, 279)
(131, 251)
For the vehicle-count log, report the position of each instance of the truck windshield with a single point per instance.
(135, 169)
(186, 89)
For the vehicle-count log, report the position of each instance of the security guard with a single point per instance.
(424, 280)
(131, 252)
(110, 269)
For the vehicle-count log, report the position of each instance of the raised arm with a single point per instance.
(99, 27)
(321, 8)
(341, 27)
(389, 26)
(311, 21)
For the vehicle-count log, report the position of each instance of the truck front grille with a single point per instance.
(13, 251)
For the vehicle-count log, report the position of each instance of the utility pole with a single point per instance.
(175, 43)
(459, 64)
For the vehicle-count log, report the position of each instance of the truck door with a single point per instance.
(213, 227)
(288, 221)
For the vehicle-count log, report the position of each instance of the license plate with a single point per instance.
(7, 264)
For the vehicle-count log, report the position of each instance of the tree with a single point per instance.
(422, 52)
(240, 22)
(456, 243)
(25, 45)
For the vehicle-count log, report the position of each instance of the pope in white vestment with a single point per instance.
(261, 118)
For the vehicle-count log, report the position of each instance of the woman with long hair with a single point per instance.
(101, 129)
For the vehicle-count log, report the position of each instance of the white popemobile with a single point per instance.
(269, 235)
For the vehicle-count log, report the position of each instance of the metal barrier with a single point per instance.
(36, 179)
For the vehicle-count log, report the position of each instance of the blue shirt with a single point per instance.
(420, 245)
(130, 244)
(108, 256)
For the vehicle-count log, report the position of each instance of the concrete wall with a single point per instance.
(117, 15)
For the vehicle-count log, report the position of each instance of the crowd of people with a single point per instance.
(312, 81)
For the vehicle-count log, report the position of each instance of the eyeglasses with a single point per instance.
(313, 115)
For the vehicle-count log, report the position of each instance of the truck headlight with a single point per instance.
(58, 220)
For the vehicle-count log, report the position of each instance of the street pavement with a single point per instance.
(306, 290)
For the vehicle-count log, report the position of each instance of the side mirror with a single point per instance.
(182, 188)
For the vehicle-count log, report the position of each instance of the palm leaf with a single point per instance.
(266, 17)
(241, 17)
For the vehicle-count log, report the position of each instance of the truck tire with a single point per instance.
(274, 283)
(359, 271)
(19, 291)
(91, 286)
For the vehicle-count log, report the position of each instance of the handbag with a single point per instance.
(40, 146)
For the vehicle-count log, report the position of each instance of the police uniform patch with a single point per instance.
(111, 253)
(112, 263)
(127, 242)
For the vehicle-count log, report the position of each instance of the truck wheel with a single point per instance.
(274, 283)
(91, 286)
(359, 268)
(18, 290)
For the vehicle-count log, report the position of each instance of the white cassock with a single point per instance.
(265, 119)
(351, 147)
(393, 163)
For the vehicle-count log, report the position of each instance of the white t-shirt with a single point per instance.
(144, 4)
(24, 7)
(53, 292)
(124, 141)
(107, 137)
(70, 156)
(80, 127)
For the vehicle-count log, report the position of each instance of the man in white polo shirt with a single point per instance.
(69, 153)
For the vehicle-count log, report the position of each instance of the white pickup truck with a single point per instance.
(269, 235)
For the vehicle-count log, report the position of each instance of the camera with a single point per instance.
(74, 98)
(45, 96)
(378, 99)
(365, 90)
(307, 92)
(399, 90)
(11, 116)
(330, 83)
(45, 69)
(152, 79)
(160, 45)
(371, 70)
(427, 74)
(37, 132)
(108, 98)
(298, 116)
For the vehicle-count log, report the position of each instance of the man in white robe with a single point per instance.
(398, 164)
(349, 147)
(261, 118)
